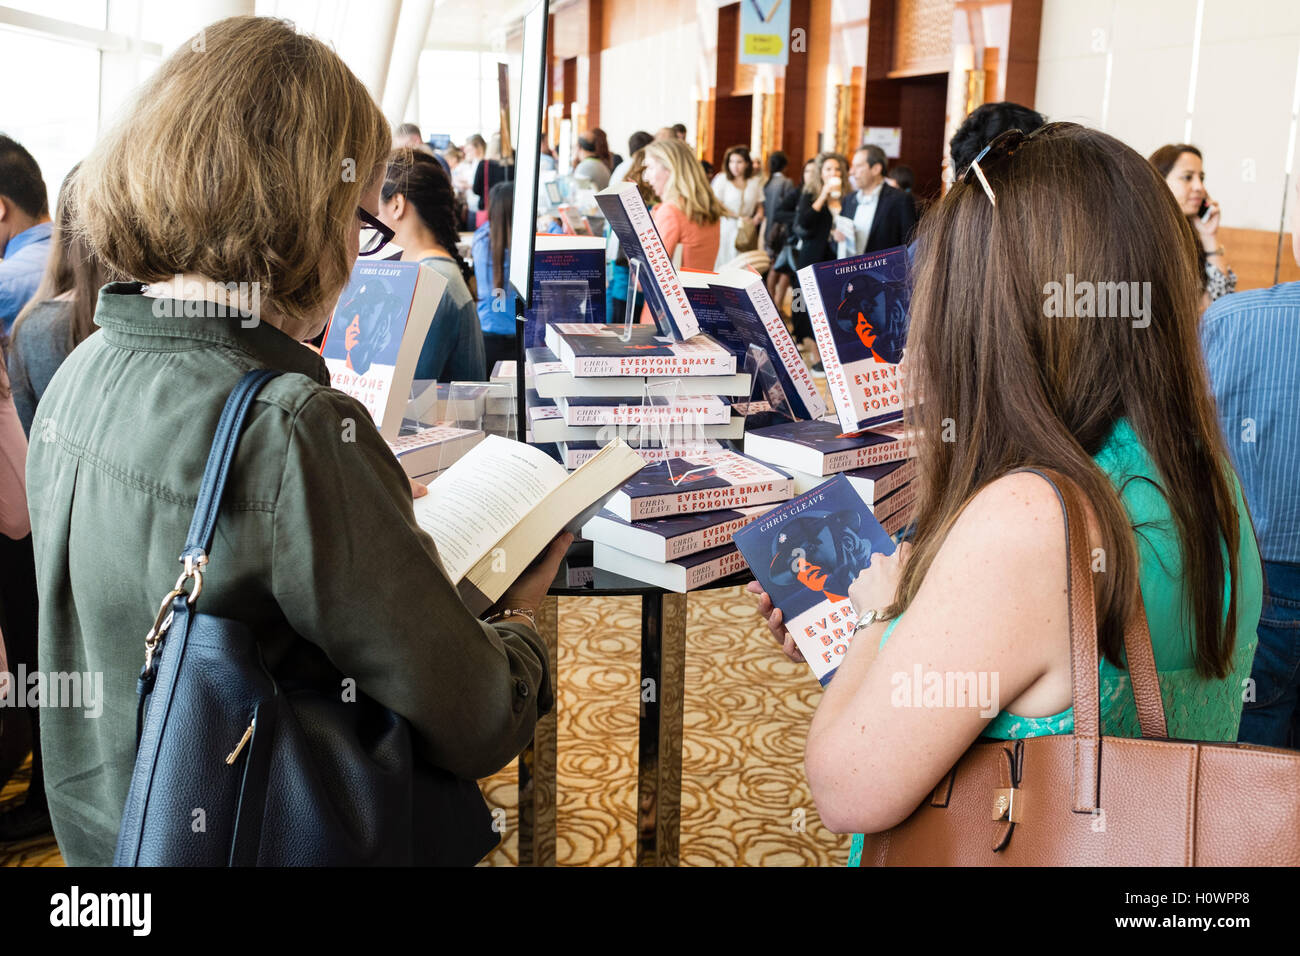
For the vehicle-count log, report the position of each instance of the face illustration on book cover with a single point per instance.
(372, 308)
(872, 313)
(822, 551)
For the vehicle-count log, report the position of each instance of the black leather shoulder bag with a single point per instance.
(234, 768)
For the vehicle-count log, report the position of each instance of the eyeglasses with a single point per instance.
(1002, 146)
(375, 235)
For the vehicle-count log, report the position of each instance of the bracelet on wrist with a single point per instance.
(869, 617)
(1217, 252)
(526, 613)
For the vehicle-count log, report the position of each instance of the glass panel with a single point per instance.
(57, 114)
(84, 13)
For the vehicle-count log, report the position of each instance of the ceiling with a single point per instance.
(475, 24)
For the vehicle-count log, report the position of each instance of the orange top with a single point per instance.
(699, 243)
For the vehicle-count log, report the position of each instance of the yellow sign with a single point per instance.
(764, 44)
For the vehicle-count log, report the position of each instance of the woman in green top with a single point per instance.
(1014, 378)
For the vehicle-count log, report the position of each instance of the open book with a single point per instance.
(498, 507)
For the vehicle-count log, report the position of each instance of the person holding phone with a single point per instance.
(1180, 164)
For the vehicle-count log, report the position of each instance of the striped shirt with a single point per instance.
(1252, 348)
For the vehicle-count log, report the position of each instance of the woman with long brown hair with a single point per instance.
(62, 313)
(1119, 404)
(688, 213)
(740, 190)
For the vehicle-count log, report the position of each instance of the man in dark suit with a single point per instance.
(883, 217)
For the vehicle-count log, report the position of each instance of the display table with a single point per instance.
(659, 765)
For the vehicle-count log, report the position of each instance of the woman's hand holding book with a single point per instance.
(775, 623)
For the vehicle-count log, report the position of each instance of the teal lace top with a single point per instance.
(1195, 708)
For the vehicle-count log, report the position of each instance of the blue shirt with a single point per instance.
(1252, 348)
(501, 320)
(21, 270)
(453, 347)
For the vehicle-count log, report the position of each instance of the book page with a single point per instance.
(475, 503)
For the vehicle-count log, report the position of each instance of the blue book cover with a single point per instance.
(785, 380)
(859, 313)
(805, 553)
(568, 285)
(374, 338)
(637, 233)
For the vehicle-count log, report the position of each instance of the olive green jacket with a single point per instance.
(316, 548)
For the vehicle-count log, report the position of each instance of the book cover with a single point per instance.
(667, 539)
(373, 339)
(858, 308)
(628, 217)
(822, 448)
(805, 553)
(702, 482)
(599, 350)
(568, 284)
(738, 312)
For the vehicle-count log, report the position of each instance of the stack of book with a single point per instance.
(734, 308)
(880, 463)
(591, 385)
(671, 524)
(427, 453)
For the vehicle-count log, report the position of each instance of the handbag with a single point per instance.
(235, 768)
(1084, 799)
(746, 235)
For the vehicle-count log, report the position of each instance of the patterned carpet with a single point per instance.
(745, 800)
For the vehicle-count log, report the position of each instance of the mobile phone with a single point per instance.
(1204, 211)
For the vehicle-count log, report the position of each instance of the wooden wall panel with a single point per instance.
(1022, 51)
(1252, 253)
(794, 94)
(728, 47)
(922, 37)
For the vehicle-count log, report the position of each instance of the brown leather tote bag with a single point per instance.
(1086, 800)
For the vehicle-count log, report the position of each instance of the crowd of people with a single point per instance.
(124, 403)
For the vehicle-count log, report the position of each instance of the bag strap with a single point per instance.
(217, 470)
(1085, 661)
